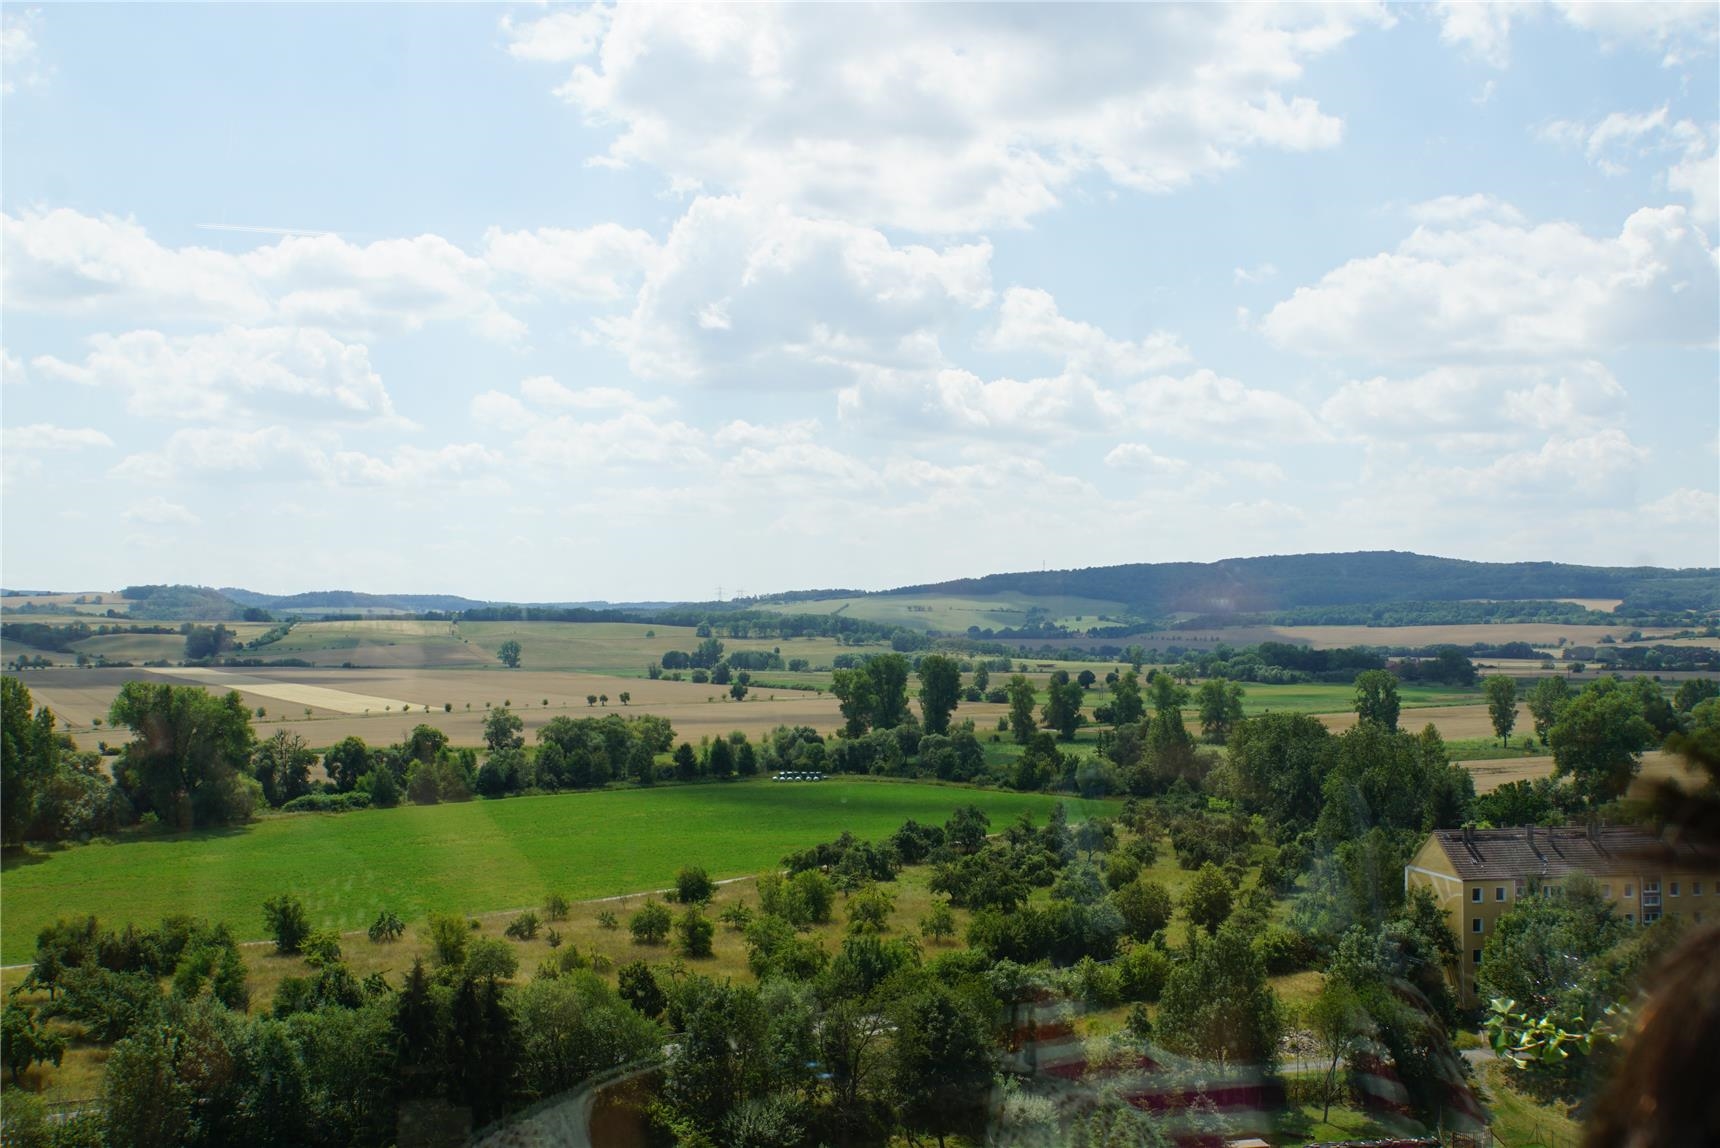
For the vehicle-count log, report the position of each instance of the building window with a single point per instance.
(1475, 894)
(1630, 918)
(1475, 925)
(1696, 888)
(1629, 892)
(1475, 956)
(1519, 889)
(1650, 916)
(1499, 893)
(1672, 889)
(1606, 890)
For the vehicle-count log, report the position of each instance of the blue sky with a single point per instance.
(570, 303)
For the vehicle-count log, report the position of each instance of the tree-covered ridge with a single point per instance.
(1287, 582)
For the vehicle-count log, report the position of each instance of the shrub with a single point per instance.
(1141, 973)
(650, 925)
(491, 959)
(869, 910)
(606, 920)
(694, 930)
(321, 948)
(523, 927)
(552, 938)
(555, 907)
(287, 921)
(1121, 869)
(387, 927)
(693, 886)
(939, 924)
(449, 938)
(637, 985)
(737, 917)
(328, 802)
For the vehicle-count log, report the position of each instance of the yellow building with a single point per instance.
(1479, 874)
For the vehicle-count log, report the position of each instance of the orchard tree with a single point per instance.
(1021, 699)
(940, 690)
(942, 1063)
(1127, 708)
(509, 654)
(1063, 706)
(1217, 1004)
(1377, 698)
(1207, 900)
(1501, 694)
(24, 1041)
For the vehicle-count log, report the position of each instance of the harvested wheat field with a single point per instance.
(1657, 765)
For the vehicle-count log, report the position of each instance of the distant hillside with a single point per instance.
(1262, 585)
(337, 600)
(181, 604)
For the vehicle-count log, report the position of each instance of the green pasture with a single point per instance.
(1489, 749)
(1322, 698)
(472, 857)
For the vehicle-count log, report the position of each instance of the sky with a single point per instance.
(557, 304)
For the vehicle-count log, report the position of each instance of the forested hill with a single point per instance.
(1286, 582)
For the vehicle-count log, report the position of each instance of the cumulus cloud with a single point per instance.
(1029, 321)
(632, 435)
(1482, 28)
(157, 511)
(237, 373)
(941, 118)
(46, 436)
(1503, 403)
(600, 264)
(750, 296)
(1491, 288)
(64, 262)
(20, 51)
(11, 369)
(1687, 506)
(1619, 139)
(1140, 456)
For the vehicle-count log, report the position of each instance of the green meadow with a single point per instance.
(471, 857)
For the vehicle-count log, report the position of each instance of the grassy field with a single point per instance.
(473, 857)
(951, 613)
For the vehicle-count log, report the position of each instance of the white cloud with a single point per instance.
(157, 511)
(545, 391)
(20, 51)
(1601, 463)
(238, 373)
(1205, 405)
(46, 436)
(1139, 456)
(744, 295)
(11, 369)
(1258, 274)
(1446, 210)
(67, 263)
(1619, 138)
(598, 264)
(1029, 321)
(1677, 30)
(1687, 507)
(941, 118)
(1491, 288)
(1503, 403)
(739, 432)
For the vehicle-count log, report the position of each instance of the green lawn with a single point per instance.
(1322, 698)
(478, 856)
(1489, 749)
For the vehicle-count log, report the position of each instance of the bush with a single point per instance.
(1284, 950)
(387, 927)
(328, 803)
(322, 948)
(523, 927)
(287, 922)
(650, 925)
(490, 959)
(555, 907)
(736, 917)
(869, 910)
(693, 886)
(1145, 906)
(1141, 973)
(606, 920)
(1121, 869)
(694, 930)
(449, 938)
(939, 924)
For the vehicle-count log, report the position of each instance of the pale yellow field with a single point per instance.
(1450, 721)
(1657, 765)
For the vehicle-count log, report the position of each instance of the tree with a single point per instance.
(1280, 761)
(508, 653)
(686, 762)
(1127, 708)
(625, 697)
(1546, 702)
(966, 829)
(693, 886)
(1217, 1004)
(650, 925)
(1501, 694)
(1063, 706)
(939, 924)
(1598, 741)
(25, 1041)
(1207, 900)
(346, 762)
(1220, 705)
(287, 922)
(1145, 907)
(940, 691)
(189, 760)
(282, 765)
(638, 986)
(694, 931)
(1693, 692)
(504, 729)
(941, 1068)
(1377, 698)
(27, 755)
(1338, 1020)
(387, 927)
(1021, 699)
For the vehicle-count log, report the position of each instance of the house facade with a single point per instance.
(1478, 875)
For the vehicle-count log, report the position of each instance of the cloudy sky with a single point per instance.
(571, 303)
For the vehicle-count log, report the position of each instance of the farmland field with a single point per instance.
(1490, 774)
(951, 613)
(473, 857)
